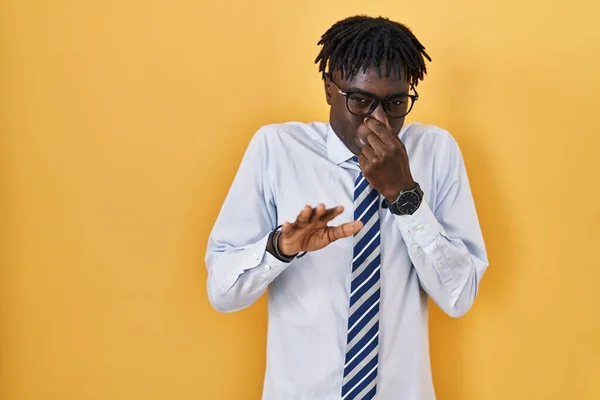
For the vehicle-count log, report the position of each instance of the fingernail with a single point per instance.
(375, 121)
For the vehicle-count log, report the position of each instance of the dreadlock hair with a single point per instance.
(361, 42)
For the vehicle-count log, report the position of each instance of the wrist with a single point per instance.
(393, 194)
(281, 248)
(273, 247)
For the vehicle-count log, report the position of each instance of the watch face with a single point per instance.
(408, 203)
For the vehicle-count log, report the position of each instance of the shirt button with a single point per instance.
(419, 228)
(267, 267)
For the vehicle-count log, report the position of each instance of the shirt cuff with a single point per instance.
(421, 227)
(255, 258)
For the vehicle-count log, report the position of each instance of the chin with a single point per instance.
(356, 151)
(356, 147)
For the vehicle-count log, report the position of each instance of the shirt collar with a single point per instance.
(336, 149)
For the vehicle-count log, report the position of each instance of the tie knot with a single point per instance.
(354, 159)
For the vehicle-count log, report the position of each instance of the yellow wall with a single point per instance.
(123, 122)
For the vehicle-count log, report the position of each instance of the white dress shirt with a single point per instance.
(438, 251)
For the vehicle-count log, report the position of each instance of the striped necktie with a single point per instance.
(361, 362)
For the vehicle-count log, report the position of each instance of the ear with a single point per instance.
(328, 89)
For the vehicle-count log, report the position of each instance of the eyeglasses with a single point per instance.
(361, 103)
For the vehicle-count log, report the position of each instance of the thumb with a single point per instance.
(346, 230)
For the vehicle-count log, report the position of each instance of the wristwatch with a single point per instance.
(407, 202)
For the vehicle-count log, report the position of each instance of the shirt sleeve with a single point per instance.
(239, 267)
(446, 245)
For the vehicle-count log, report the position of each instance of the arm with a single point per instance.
(239, 267)
(241, 258)
(446, 245)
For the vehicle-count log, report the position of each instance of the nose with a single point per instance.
(380, 114)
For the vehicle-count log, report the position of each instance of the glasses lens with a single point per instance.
(360, 103)
(398, 106)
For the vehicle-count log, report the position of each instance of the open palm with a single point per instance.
(310, 231)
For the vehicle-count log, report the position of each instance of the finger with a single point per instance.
(305, 214)
(362, 161)
(379, 148)
(319, 212)
(368, 153)
(344, 230)
(332, 213)
(380, 129)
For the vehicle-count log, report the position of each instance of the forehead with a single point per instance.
(370, 81)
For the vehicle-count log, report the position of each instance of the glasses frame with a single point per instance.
(377, 100)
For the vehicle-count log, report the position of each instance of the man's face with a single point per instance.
(350, 128)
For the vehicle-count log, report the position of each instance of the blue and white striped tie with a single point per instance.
(361, 363)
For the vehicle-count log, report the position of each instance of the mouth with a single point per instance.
(360, 138)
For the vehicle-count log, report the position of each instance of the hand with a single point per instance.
(384, 161)
(310, 231)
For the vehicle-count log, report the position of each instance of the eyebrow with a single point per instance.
(357, 89)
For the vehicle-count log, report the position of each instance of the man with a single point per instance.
(351, 224)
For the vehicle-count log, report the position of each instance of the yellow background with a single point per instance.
(123, 122)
